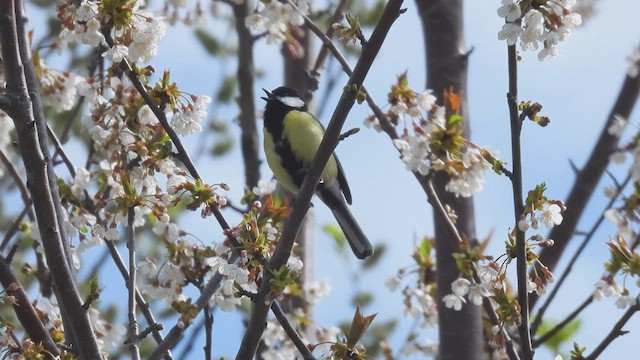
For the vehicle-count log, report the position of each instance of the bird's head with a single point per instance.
(284, 98)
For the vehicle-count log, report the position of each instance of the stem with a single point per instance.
(518, 204)
(134, 340)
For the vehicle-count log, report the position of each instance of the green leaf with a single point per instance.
(561, 337)
(222, 147)
(336, 234)
(363, 298)
(210, 43)
(227, 90)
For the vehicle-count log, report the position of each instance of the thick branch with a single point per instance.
(257, 322)
(38, 168)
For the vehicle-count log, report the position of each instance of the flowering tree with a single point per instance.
(133, 125)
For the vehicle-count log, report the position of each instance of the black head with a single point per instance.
(283, 99)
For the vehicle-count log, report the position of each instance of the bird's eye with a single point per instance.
(292, 101)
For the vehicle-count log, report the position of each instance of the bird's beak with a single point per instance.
(269, 95)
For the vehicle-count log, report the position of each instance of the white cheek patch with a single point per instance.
(292, 101)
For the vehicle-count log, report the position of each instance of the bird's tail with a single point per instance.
(357, 239)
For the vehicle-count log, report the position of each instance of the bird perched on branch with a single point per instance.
(292, 136)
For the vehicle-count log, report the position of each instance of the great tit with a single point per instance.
(292, 136)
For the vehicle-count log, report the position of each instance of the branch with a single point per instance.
(291, 332)
(328, 44)
(434, 200)
(324, 50)
(208, 327)
(33, 86)
(134, 340)
(24, 311)
(142, 304)
(176, 332)
(616, 331)
(587, 179)
(282, 252)
(40, 175)
(549, 334)
(558, 285)
(518, 204)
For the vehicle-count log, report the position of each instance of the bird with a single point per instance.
(292, 136)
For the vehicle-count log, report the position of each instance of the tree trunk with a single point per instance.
(446, 60)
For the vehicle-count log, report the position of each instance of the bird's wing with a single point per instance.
(342, 181)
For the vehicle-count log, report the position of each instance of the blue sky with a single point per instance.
(577, 90)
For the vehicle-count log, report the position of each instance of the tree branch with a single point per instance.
(518, 204)
(282, 252)
(39, 174)
(134, 340)
(558, 284)
(549, 334)
(24, 311)
(587, 179)
(616, 331)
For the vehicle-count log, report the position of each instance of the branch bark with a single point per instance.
(37, 162)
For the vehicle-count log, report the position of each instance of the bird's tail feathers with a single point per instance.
(355, 236)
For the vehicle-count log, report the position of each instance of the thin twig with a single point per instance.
(616, 331)
(15, 226)
(518, 204)
(553, 331)
(324, 50)
(434, 200)
(291, 332)
(208, 328)
(134, 340)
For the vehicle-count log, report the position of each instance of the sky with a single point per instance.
(577, 90)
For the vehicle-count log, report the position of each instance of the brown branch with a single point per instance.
(518, 204)
(553, 331)
(40, 174)
(446, 68)
(587, 179)
(291, 332)
(134, 339)
(24, 311)
(565, 274)
(324, 50)
(282, 252)
(33, 86)
(616, 331)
